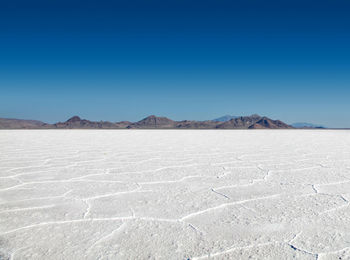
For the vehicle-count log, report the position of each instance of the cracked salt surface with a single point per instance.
(154, 194)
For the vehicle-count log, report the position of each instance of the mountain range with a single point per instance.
(306, 125)
(150, 122)
(302, 125)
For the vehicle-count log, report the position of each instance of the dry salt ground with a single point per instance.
(174, 194)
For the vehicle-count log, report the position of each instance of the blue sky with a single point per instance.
(124, 60)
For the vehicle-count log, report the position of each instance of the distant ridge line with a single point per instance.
(150, 122)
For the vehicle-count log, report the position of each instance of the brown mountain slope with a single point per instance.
(153, 122)
(9, 123)
(267, 123)
(76, 122)
(188, 124)
(242, 122)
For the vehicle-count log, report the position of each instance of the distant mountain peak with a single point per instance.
(156, 118)
(224, 118)
(151, 116)
(154, 122)
(267, 123)
(74, 119)
(306, 125)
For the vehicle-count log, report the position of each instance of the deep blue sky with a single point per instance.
(124, 60)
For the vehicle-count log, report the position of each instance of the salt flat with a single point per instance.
(174, 194)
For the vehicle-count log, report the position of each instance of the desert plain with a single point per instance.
(174, 194)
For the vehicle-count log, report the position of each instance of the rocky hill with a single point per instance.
(243, 122)
(77, 123)
(267, 123)
(153, 122)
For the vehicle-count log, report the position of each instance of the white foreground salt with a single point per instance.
(174, 194)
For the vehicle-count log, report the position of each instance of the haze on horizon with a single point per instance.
(124, 60)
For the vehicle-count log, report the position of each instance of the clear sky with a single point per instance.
(124, 60)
